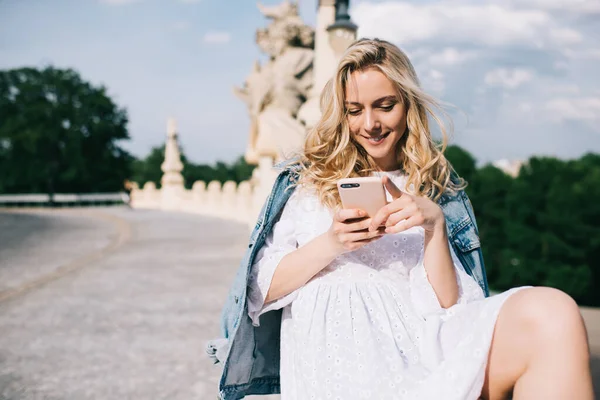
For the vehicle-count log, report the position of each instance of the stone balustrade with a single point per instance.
(228, 201)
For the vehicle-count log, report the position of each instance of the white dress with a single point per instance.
(369, 325)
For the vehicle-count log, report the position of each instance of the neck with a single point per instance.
(387, 165)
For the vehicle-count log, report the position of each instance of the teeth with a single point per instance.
(376, 139)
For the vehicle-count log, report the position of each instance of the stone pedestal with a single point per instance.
(172, 183)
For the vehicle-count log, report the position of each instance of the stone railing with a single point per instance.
(237, 202)
(63, 199)
(229, 201)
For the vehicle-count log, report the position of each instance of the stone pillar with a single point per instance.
(324, 64)
(327, 53)
(172, 181)
(325, 58)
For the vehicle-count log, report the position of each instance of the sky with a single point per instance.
(522, 76)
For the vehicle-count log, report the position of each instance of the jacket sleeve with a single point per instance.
(280, 242)
(423, 296)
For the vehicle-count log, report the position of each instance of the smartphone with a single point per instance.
(364, 193)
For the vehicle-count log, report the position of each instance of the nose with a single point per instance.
(371, 123)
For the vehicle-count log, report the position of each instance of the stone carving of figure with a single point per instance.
(275, 91)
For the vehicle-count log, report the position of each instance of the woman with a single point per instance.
(390, 306)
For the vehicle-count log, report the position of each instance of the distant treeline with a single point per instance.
(540, 228)
(148, 170)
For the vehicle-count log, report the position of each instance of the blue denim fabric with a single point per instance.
(250, 355)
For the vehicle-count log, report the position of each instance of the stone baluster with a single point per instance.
(213, 198)
(244, 201)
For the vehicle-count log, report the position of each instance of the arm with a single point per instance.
(407, 211)
(298, 267)
(280, 267)
(439, 265)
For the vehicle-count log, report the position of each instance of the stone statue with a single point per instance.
(275, 91)
(172, 165)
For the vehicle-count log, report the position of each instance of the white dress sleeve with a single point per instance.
(280, 242)
(423, 296)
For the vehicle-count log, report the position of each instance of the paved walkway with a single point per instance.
(118, 304)
(112, 303)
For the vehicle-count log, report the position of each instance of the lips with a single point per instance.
(376, 139)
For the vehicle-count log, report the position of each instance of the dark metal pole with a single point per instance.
(342, 18)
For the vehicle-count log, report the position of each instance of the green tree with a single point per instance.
(541, 228)
(488, 190)
(59, 133)
(462, 161)
(239, 171)
(148, 169)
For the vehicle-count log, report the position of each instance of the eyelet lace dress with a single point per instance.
(369, 325)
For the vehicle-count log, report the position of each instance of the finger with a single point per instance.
(379, 231)
(392, 188)
(357, 226)
(403, 225)
(349, 213)
(353, 225)
(365, 241)
(384, 212)
(396, 217)
(358, 236)
(360, 243)
(381, 216)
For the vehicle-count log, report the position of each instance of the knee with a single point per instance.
(551, 313)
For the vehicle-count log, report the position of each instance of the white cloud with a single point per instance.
(444, 22)
(565, 36)
(525, 107)
(561, 65)
(577, 6)
(435, 74)
(564, 88)
(434, 82)
(582, 109)
(583, 54)
(450, 56)
(181, 25)
(593, 54)
(119, 2)
(508, 78)
(217, 37)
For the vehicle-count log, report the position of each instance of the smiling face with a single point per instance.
(376, 116)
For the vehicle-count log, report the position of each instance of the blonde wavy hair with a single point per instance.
(331, 152)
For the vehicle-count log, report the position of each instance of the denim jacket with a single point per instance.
(250, 355)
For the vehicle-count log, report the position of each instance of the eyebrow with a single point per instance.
(379, 100)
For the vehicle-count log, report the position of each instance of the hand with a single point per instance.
(349, 230)
(407, 211)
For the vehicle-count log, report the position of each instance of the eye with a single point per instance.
(355, 111)
(388, 108)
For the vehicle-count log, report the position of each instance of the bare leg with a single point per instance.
(539, 349)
